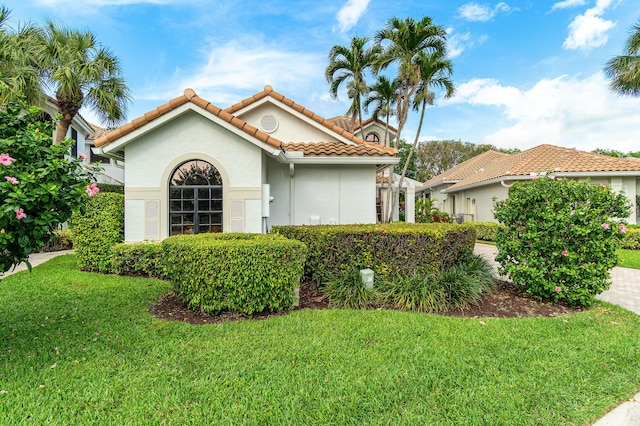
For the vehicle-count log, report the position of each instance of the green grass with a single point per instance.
(629, 258)
(80, 348)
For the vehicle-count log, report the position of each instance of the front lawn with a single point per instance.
(80, 348)
(629, 258)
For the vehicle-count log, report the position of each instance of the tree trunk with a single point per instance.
(411, 151)
(68, 112)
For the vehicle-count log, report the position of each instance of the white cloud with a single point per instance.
(566, 4)
(239, 65)
(458, 43)
(350, 13)
(478, 12)
(564, 111)
(589, 30)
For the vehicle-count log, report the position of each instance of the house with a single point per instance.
(193, 167)
(84, 133)
(467, 190)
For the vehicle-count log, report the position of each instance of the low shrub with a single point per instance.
(388, 249)
(140, 259)
(560, 237)
(111, 187)
(246, 273)
(454, 287)
(631, 240)
(95, 232)
(61, 239)
(485, 231)
(347, 291)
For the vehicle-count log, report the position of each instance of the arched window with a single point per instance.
(373, 137)
(195, 199)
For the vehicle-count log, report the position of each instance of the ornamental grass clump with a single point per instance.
(560, 237)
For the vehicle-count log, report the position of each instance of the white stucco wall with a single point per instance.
(290, 127)
(151, 159)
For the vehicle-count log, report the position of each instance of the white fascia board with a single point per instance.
(119, 144)
(318, 159)
(115, 155)
(596, 174)
(299, 115)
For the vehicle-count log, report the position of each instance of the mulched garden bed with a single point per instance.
(504, 302)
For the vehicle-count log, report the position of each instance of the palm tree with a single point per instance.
(19, 55)
(349, 64)
(405, 40)
(383, 94)
(624, 70)
(81, 72)
(435, 72)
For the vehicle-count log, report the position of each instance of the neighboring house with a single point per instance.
(373, 130)
(468, 189)
(193, 167)
(84, 133)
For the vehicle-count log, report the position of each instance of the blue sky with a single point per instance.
(526, 72)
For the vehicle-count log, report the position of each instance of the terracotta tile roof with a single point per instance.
(188, 96)
(466, 168)
(97, 132)
(549, 158)
(268, 91)
(339, 148)
(353, 125)
(310, 148)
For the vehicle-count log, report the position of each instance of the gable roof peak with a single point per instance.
(268, 89)
(189, 93)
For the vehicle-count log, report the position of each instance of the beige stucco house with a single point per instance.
(468, 189)
(191, 167)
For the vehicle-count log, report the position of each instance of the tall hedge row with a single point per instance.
(97, 230)
(246, 273)
(387, 249)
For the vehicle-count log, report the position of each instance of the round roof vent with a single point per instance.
(269, 123)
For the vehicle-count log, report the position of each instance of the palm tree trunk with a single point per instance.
(63, 128)
(411, 151)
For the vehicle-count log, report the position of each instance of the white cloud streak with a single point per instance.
(567, 4)
(564, 111)
(458, 43)
(483, 13)
(350, 14)
(589, 30)
(240, 65)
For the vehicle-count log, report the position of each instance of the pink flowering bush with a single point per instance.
(560, 237)
(42, 184)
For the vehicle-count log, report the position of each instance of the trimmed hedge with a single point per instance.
(246, 273)
(95, 232)
(486, 231)
(111, 187)
(60, 240)
(140, 259)
(389, 249)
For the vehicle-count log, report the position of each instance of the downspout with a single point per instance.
(292, 193)
(506, 185)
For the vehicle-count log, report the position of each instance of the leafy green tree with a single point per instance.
(616, 153)
(560, 237)
(383, 95)
(435, 157)
(19, 55)
(404, 149)
(407, 43)
(40, 184)
(624, 70)
(348, 65)
(81, 72)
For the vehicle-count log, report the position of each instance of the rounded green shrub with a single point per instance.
(560, 237)
(246, 273)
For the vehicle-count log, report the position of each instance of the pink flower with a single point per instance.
(552, 177)
(602, 185)
(622, 229)
(20, 214)
(534, 176)
(92, 189)
(82, 155)
(6, 160)
(605, 225)
(12, 180)
(564, 253)
(558, 289)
